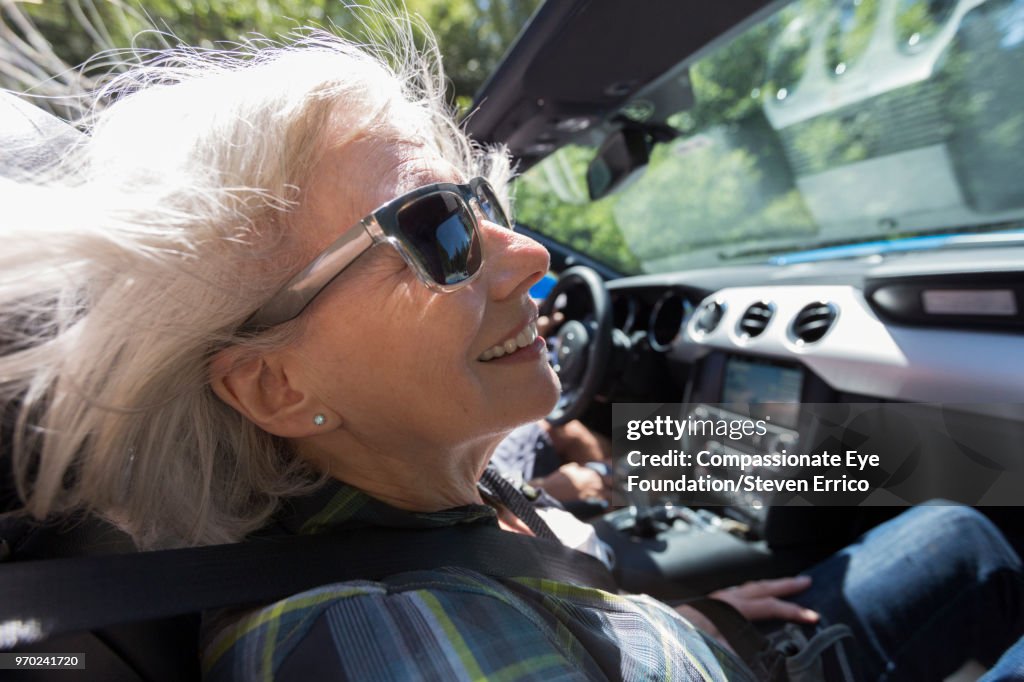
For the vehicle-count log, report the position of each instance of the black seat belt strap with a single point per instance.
(510, 496)
(70, 595)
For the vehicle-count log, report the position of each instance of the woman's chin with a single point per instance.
(526, 400)
(544, 397)
(551, 396)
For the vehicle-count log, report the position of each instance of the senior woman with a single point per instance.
(276, 289)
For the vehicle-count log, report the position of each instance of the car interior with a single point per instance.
(902, 303)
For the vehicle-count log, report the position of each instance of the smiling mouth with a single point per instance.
(520, 340)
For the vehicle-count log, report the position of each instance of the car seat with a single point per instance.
(159, 651)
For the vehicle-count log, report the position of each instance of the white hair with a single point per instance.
(124, 269)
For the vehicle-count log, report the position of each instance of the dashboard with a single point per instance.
(933, 327)
(942, 327)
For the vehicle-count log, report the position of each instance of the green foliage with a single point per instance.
(734, 81)
(473, 34)
(850, 34)
(694, 199)
(553, 197)
(691, 198)
(919, 20)
(829, 141)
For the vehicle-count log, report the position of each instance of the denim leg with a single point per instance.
(1010, 666)
(923, 593)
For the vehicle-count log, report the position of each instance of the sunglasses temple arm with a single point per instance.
(293, 298)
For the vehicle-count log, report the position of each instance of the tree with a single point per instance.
(41, 43)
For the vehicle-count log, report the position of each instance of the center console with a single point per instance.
(726, 537)
(751, 390)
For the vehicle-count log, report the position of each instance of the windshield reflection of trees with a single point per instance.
(729, 182)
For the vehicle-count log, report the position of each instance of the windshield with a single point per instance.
(827, 123)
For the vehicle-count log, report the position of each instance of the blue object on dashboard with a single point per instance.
(541, 289)
(895, 246)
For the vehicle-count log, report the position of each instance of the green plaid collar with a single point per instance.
(339, 506)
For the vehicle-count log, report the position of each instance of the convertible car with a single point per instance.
(755, 211)
(780, 210)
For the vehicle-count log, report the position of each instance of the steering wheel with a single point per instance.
(580, 350)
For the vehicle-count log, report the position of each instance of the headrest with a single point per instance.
(30, 138)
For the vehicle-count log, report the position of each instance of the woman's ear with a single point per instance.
(262, 389)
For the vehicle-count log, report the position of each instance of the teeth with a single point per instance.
(520, 340)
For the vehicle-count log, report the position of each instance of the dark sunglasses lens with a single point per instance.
(440, 233)
(490, 205)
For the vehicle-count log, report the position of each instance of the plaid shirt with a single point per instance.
(451, 624)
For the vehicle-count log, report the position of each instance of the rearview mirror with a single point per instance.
(623, 153)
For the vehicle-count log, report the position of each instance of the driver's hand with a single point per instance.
(756, 600)
(573, 482)
(574, 442)
(547, 324)
(759, 599)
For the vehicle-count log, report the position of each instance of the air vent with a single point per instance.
(756, 319)
(709, 316)
(814, 321)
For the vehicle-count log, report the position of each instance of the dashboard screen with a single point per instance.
(750, 384)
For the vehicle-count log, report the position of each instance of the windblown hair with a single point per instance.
(134, 260)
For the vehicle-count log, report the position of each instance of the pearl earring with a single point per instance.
(319, 420)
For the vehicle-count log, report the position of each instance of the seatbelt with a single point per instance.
(57, 596)
(513, 498)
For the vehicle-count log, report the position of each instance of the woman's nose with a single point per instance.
(513, 262)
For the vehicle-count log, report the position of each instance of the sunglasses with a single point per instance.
(434, 228)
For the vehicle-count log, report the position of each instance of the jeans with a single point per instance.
(1010, 666)
(923, 593)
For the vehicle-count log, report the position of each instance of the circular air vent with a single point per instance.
(755, 320)
(708, 317)
(666, 320)
(813, 322)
